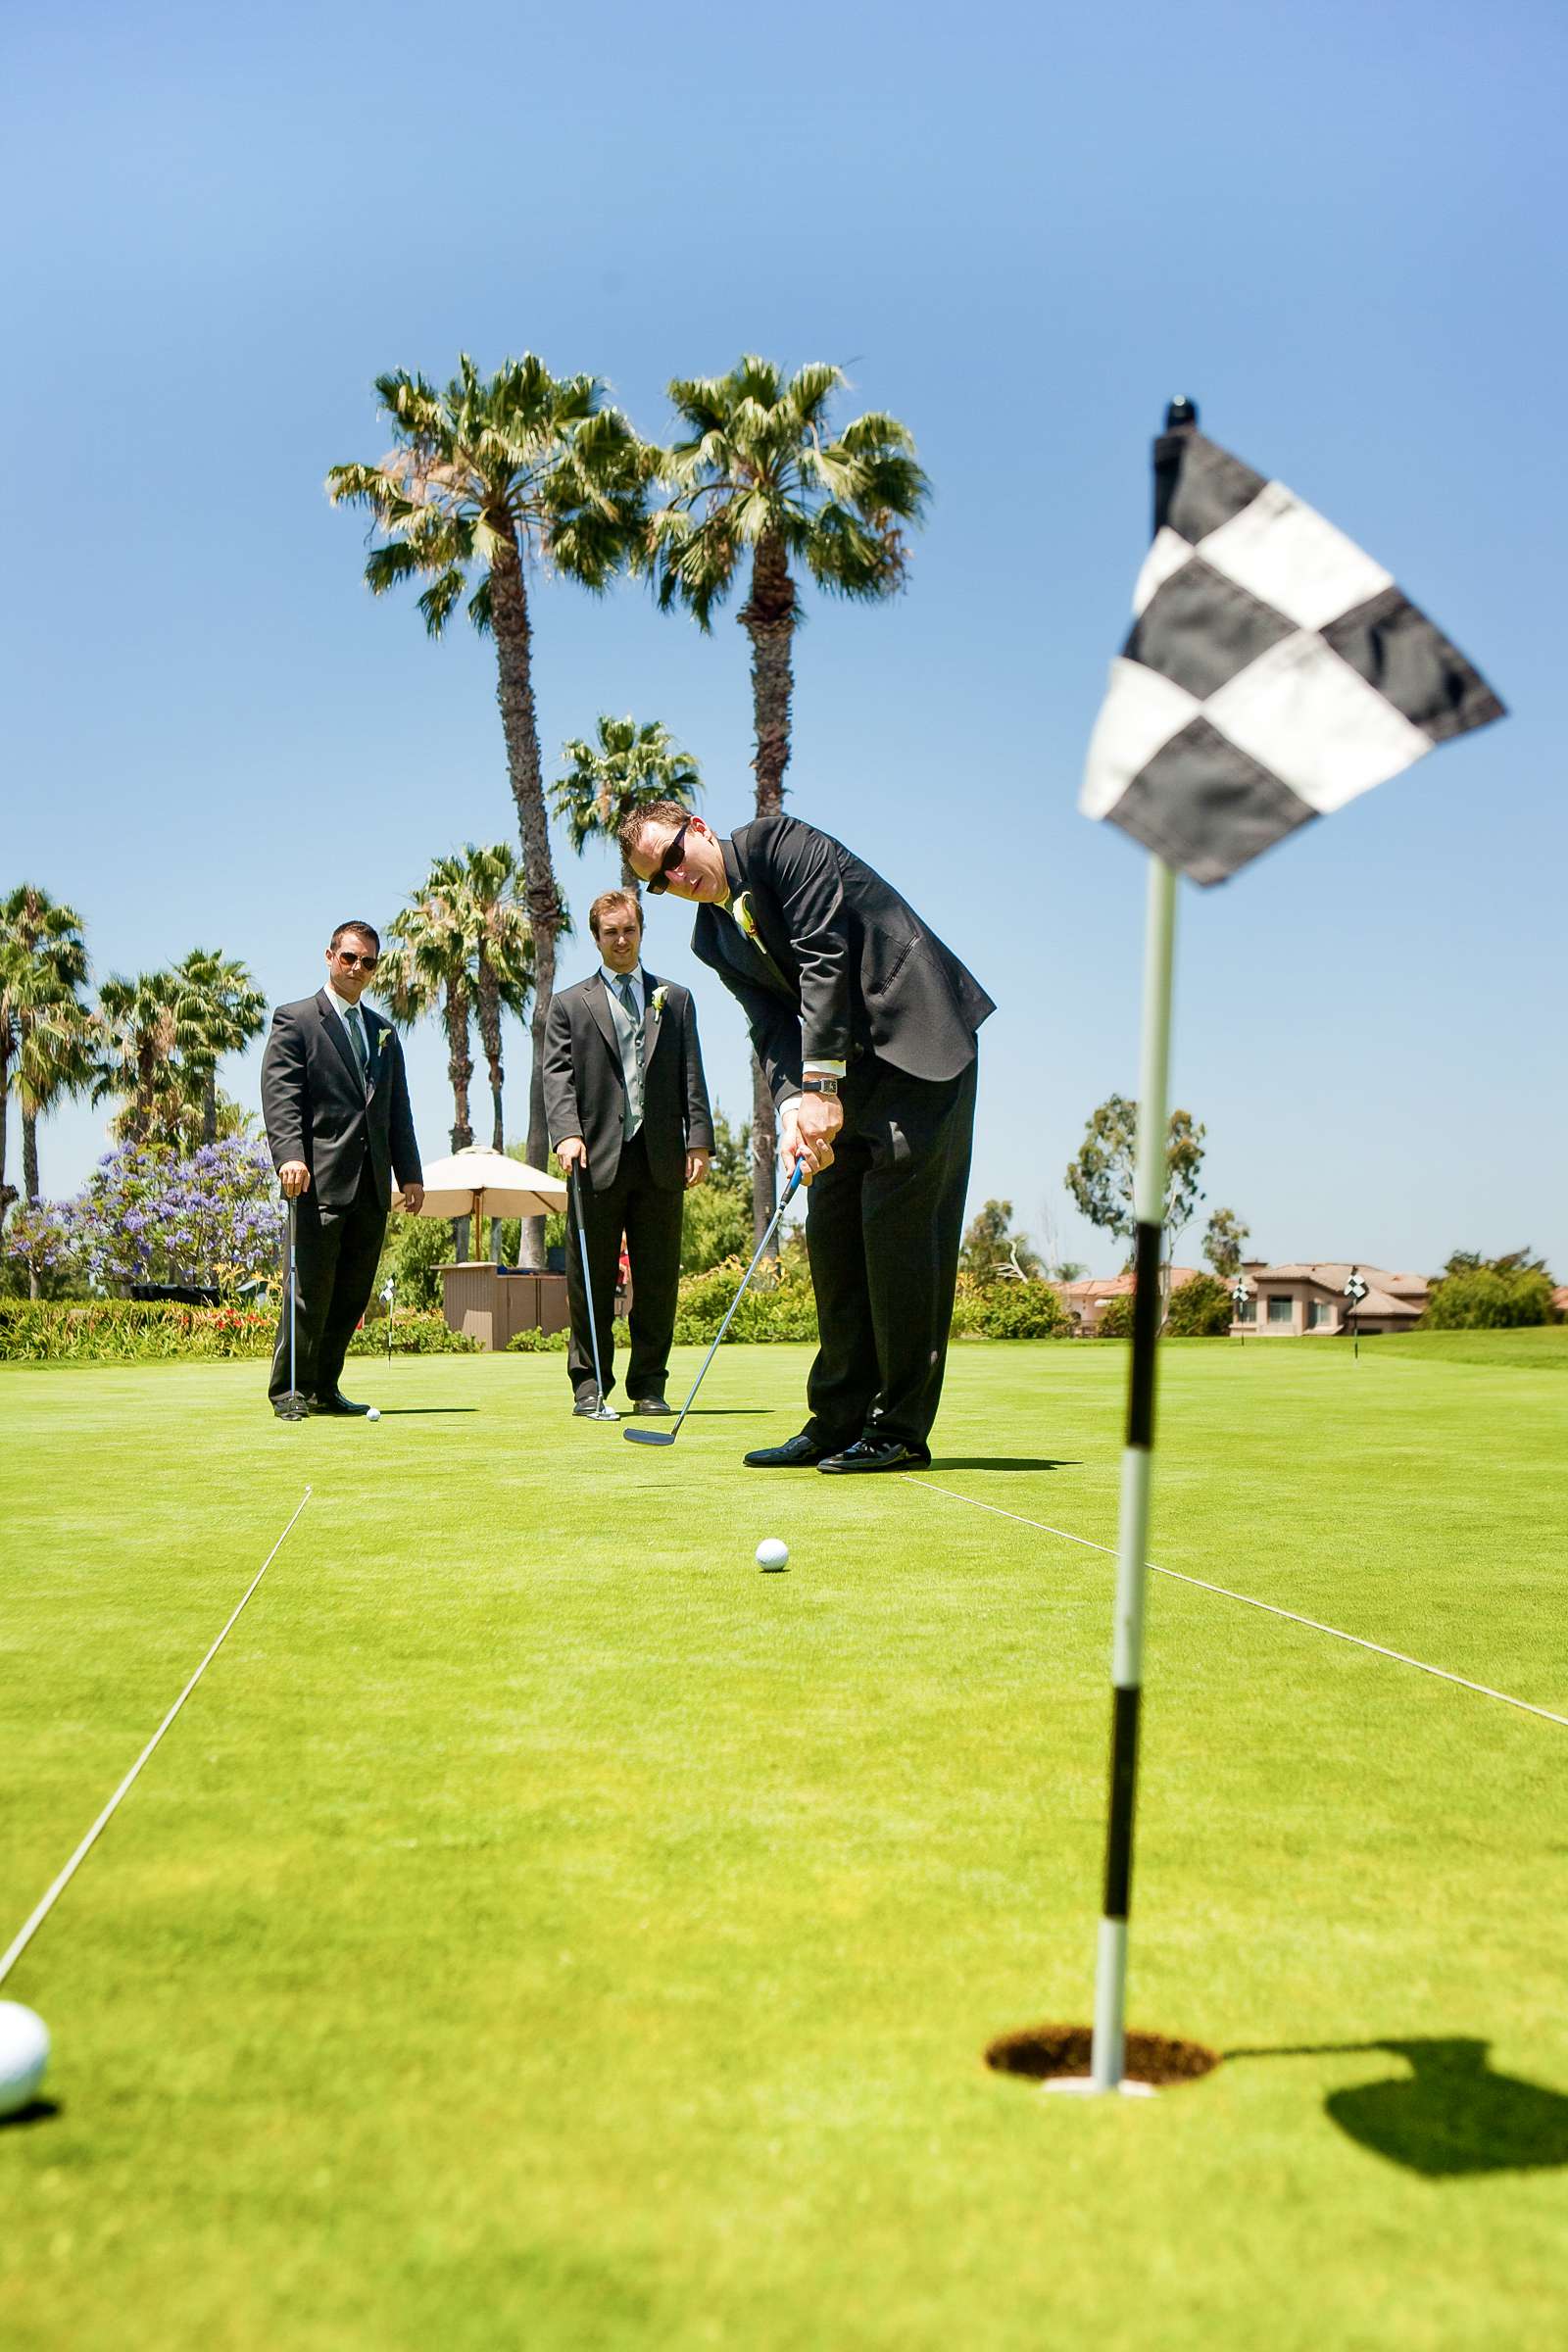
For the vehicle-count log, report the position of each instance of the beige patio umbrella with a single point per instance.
(480, 1183)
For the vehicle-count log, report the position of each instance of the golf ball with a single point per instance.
(374, 1413)
(772, 1553)
(24, 2055)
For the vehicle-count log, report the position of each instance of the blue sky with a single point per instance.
(1019, 229)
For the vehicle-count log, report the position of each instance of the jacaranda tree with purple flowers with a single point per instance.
(152, 1214)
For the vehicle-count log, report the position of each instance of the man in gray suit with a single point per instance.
(335, 1102)
(628, 1115)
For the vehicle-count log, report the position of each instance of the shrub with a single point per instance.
(124, 1331)
(1486, 1300)
(1024, 1310)
(539, 1343)
(784, 1308)
(420, 1333)
(1116, 1318)
(1200, 1309)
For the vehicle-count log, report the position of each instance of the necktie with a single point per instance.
(623, 989)
(362, 1051)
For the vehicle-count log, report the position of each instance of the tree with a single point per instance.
(44, 1048)
(1481, 1298)
(717, 1223)
(222, 1011)
(757, 471)
(1100, 1177)
(1224, 1237)
(628, 766)
(488, 480)
(141, 1029)
(1515, 1261)
(992, 1252)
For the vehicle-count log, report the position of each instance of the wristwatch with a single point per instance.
(820, 1085)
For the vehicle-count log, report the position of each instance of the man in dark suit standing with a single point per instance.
(865, 1025)
(627, 1109)
(335, 1102)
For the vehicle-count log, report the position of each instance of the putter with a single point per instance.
(667, 1437)
(606, 1411)
(293, 1407)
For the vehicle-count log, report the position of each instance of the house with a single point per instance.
(1290, 1301)
(1087, 1300)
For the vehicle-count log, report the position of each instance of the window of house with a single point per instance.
(1247, 1312)
(1320, 1314)
(1282, 1310)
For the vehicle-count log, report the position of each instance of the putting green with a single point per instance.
(542, 1927)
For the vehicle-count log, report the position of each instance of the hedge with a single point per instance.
(128, 1331)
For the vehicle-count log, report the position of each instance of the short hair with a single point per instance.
(615, 897)
(365, 931)
(629, 831)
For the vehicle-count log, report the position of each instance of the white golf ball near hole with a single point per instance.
(24, 2055)
(772, 1553)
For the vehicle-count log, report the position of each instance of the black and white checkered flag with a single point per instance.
(1273, 671)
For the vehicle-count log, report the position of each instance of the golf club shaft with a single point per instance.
(790, 1191)
(293, 1299)
(587, 1280)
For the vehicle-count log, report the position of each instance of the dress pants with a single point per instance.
(336, 1252)
(650, 1216)
(883, 1229)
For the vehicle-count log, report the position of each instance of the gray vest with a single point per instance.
(630, 1037)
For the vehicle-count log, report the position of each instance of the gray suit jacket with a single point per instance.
(316, 1109)
(585, 1086)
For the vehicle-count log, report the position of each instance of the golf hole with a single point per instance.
(1041, 2052)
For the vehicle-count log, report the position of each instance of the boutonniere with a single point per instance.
(744, 915)
(657, 1000)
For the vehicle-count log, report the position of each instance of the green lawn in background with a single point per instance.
(542, 1928)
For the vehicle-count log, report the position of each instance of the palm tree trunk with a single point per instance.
(29, 1178)
(141, 1117)
(210, 1106)
(768, 618)
(489, 998)
(509, 605)
(5, 1193)
(460, 1062)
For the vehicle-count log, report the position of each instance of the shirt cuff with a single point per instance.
(823, 1069)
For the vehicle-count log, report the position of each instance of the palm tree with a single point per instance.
(482, 894)
(759, 472)
(606, 781)
(142, 1028)
(486, 479)
(225, 1009)
(425, 969)
(43, 968)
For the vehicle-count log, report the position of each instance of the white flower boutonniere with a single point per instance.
(744, 915)
(657, 1000)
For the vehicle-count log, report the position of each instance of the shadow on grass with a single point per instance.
(1000, 1461)
(410, 1413)
(36, 2111)
(1450, 2114)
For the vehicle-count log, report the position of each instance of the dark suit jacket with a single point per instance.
(840, 965)
(585, 1088)
(316, 1109)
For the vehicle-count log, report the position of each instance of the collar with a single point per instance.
(613, 979)
(732, 875)
(342, 1004)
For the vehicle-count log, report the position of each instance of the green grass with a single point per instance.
(542, 1928)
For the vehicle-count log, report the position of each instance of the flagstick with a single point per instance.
(1127, 1646)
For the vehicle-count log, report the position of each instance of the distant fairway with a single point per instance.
(544, 1929)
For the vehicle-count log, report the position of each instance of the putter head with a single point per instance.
(649, 1437)
(292, 1407)
(606, 1412)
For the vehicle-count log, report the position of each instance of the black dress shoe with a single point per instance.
(876, 1453)
(650, 1404)
(337, 1403)
(585, 1404)
(290, 1407)
(796, 1453)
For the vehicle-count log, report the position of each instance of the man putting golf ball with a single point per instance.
(772, 1553)
(24, 2055)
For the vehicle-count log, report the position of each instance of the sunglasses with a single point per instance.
(658, 883)
(366, 963)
